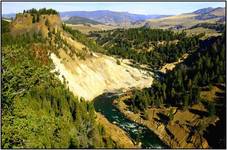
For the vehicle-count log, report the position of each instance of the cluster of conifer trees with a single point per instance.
(37, 13)
(77, 35)
(182, 86)
(42, 11)
(216, 26)
(128, 43)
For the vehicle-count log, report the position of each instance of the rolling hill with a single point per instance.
(81, 20)
(87, 28)
(186, 20)
(210, 13)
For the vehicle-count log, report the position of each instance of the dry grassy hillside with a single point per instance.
(184, 21)
(218, 12)
(199, 30)
(86, 28)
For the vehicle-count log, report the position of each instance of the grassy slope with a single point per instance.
(87, 28)
(199, 30)
(186, 20)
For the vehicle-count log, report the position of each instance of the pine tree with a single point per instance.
(33, 19)
(37, 19)
(164, 90)
(186, 100)
(173, 93)
(211, 109)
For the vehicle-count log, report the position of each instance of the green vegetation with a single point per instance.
(171, 114)
(42, 11)
(77, 35)
(118, 62)
(136, 43)
(38, 111)
(211, 109)
(136, 36)
(181, 87)
(68, 48)
(37, 13)
(218, 26)
(5, 26)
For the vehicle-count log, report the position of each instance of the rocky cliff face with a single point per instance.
(27, 23)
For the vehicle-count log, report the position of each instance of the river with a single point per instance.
(137, 132)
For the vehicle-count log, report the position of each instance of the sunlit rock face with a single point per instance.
(98, 74)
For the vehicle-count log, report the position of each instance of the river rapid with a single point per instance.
(138, 133)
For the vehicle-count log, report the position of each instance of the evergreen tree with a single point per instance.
(37, 19)
(211, 109)
(33, 19)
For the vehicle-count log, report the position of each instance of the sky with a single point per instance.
(162, 8)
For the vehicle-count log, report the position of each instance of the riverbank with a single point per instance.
(183, 131)
(120, 137)
(139, 134)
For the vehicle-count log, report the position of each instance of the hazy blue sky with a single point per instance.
(170, 8)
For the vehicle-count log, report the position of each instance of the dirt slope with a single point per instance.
(98, 74)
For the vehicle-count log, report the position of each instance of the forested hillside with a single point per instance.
(38, 111)
(154, 47)
(182, 86)
(205, 65)
(196, 87)
(219, 27)
(77, 35)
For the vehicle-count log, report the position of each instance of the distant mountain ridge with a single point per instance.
(81, 20)
(110, 17)
(11, 15)
(210, 13)
(203, 10)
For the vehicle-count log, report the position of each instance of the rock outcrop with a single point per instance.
(27, 23)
